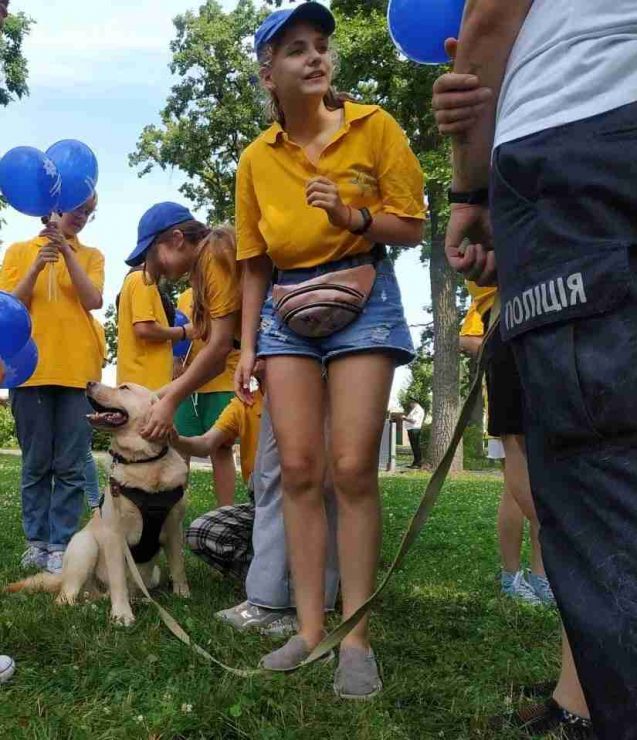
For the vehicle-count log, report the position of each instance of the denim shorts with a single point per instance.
(381, 327)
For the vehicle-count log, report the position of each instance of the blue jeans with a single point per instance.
(565, 233)
(54, 437)
(92, 487)
(381, 327)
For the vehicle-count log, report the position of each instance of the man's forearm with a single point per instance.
(489, 30)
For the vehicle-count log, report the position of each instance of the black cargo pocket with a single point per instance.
(556, 289)
(580, 379)
(548, 368)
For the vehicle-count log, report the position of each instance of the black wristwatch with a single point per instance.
(368, 220)
(470, 197)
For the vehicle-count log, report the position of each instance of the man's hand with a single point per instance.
(458, 101)
(468, 244)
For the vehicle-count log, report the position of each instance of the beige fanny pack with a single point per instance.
(328, 303)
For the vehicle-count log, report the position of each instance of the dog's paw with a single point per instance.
(181, 589)
(66, 599)
(125, 618)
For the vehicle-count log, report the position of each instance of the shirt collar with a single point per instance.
(353, 112)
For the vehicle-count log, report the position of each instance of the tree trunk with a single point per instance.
(446, 370)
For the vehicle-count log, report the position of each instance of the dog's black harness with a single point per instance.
(153, 507)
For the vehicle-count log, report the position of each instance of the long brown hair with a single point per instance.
(220, 244)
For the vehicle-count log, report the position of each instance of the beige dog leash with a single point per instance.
(427, 502)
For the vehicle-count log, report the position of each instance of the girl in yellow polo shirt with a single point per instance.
(328, 181)
(144, 334)
(171, 243)
(50, 408)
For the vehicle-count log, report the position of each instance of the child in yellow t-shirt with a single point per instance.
(145, 334)
(236, 421)
(172, 243)
(50, 408)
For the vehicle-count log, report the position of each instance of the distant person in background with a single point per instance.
(50, 408)
(413, 422)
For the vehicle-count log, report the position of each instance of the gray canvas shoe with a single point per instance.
(290, 656)
(357, 674)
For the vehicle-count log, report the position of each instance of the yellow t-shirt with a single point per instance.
(482, 301)
(244, 422)
(99, 357)
(62, 329)
(139, 361)
(223, 296)
(370, 161)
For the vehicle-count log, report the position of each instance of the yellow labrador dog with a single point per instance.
(143, 503)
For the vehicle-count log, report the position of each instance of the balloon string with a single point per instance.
(52, 283)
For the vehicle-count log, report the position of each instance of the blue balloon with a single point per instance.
(78, 169)
(15, 325)
(419, 28)
(19, 368)
(181, 349)
(30, 181)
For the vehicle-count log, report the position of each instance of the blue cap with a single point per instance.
(309, 11)
(156, 219)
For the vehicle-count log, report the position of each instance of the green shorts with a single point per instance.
(198, 413)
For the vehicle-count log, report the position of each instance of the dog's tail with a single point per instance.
(41, 582)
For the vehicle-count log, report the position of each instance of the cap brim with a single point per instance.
(314, 13)
(137, 256)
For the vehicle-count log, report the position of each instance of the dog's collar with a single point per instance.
(123, 461)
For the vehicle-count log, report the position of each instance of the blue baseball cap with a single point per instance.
(275, 23)
(156, 219)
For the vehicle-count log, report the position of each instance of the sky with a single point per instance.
(98, 72)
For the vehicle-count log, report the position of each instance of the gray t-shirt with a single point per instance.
(572, 60)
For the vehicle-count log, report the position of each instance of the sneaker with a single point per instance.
(54, 562)
(541, 588)
(540, 719)
(515, 587)
(7, 668)
(247, 616)
(357, 674)
(34, 557)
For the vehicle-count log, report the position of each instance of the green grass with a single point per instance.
(452, 651)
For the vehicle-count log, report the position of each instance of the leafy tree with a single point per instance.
(13, 65)
(213, 111)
